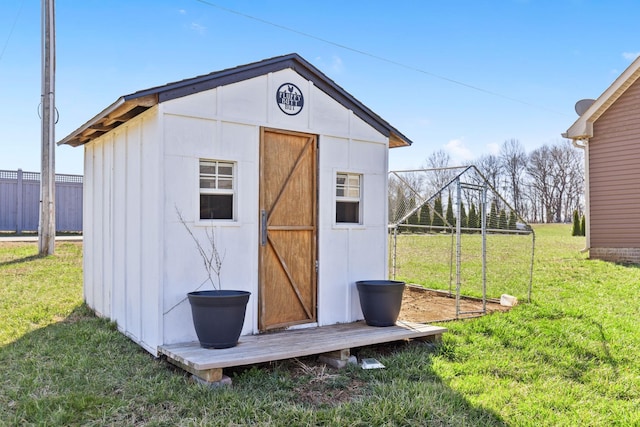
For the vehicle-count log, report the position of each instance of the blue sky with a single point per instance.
(461, 76)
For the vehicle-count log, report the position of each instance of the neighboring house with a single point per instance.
(609, 133)
(286, 167)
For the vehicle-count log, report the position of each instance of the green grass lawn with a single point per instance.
(568, 358)
(430, 260)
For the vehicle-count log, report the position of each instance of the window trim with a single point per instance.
(338, 199)
(233, 191)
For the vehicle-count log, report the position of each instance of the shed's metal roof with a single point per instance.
(129, 106)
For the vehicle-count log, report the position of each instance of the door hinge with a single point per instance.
(316, 266)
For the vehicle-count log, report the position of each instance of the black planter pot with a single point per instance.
(218, 316)
(380, 301)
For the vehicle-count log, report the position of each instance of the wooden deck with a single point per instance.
(207, 363)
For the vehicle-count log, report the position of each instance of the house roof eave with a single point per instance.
(122, 110)
(582, 128)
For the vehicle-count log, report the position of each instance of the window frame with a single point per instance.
(346, 198)
(232, 178)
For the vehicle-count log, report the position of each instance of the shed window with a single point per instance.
(348, 198)
(217, 189)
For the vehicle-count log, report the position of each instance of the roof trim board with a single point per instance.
(583, 127)
(128, 106)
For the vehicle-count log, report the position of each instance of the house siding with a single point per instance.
(614, 180)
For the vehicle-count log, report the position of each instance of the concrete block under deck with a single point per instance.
(207, 364)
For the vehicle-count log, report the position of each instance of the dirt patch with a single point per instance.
(320, 386)
(424, 305)
(323, 386)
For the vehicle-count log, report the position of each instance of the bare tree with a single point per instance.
(575, 189)
(440, 176)
(514, 162)
(540, 169)
(532, 205)
(397, 199)
(403, 188)
(491, 168)
(556, 178)
(545, 186)
(568, 169)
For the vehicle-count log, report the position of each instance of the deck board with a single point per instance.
(268, 347)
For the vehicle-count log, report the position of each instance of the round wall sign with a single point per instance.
(289, 98)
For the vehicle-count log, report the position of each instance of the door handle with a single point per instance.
(263, 227)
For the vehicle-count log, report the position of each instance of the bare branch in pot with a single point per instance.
(210, 255)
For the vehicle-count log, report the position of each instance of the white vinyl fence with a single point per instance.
(20, 200)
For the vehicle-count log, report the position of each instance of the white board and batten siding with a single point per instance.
(137, 174)
(123, 235)
(224, 124)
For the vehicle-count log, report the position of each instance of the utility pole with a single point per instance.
(47, 225)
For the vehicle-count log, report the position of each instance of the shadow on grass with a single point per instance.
(586, 340)
(81, 370)
(407, 391)
(21, 260)
(72, 373)
(625, 264)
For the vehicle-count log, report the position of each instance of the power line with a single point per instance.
(379, 58)
(13, 26)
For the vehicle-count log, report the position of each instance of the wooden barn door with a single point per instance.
(288, 215)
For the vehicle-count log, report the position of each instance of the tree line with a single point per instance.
(543, 186)
(546, 185)
(432, 218)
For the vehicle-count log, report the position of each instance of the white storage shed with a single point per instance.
(287, 169)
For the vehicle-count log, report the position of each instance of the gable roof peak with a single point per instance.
(129, 106)
(582, 128)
